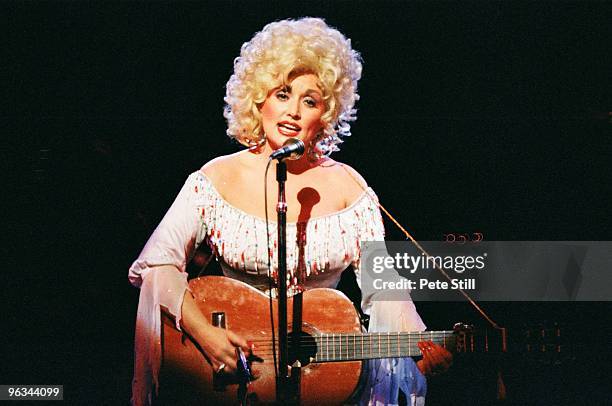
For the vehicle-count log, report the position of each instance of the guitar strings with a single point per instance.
(390, 343)
(347, 344)
(388, 346)
(383, 336)
(348, 353)
(324, 348)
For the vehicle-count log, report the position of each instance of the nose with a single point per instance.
(293, 109)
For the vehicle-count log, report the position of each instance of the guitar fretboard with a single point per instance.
(358, 346)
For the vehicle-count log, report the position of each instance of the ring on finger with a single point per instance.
(221, 368)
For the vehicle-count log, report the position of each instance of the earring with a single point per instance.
(314, 152)
(254, 145)
(322, 146)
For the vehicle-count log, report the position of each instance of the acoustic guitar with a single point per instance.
(327, 353)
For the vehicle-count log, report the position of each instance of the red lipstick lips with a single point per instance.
(288, 128)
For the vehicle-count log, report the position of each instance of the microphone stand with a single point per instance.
(283, 382)
(287, 392)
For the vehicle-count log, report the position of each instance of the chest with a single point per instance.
(305, 200)
(328, 239)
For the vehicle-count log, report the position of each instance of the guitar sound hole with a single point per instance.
(302, 347)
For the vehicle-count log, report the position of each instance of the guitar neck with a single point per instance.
(358, 346)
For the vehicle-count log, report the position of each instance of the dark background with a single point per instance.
(488, 117)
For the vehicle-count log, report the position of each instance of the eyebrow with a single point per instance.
(287, 88)
(311, 91)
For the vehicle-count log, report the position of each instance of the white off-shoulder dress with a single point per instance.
(318, 251)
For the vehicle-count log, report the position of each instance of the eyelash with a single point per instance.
(282, 95)
(310, 102)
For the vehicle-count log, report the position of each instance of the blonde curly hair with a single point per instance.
(285, 48)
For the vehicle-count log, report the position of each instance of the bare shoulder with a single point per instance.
(223, 168)
(346, 180)
(358, 180)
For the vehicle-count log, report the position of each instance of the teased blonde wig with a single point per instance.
(286, 48)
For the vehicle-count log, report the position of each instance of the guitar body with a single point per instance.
(187, 377)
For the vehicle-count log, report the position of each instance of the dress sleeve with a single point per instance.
(385, 315)
(172, 243)
(386, 376)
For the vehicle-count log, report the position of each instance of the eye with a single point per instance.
(310, 102)
(282, 95)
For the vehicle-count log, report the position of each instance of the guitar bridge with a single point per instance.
(218, 319)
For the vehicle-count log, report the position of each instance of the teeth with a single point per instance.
(289, 127)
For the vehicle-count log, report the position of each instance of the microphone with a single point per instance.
(292, 149)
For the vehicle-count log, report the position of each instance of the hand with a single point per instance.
(219, 345)
(436, 359)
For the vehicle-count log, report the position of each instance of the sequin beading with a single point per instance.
(324, 244)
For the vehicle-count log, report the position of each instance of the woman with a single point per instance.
(293, 79)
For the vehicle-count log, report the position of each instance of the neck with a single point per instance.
(294, 167)
(359, 346)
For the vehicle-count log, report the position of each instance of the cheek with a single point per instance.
(316, 123)
(272, 107)
(265, 111)
(267, 115)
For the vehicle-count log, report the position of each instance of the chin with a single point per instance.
(278, 140)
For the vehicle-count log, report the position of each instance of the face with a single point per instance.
(294, 110)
